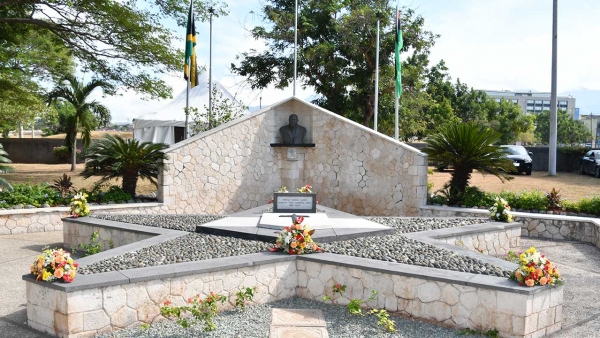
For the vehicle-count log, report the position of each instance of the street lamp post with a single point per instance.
(553, 107)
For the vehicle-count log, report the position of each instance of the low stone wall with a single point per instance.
(130, 300)
(110, 236)
(429, 296)
(572, 228)
(497, 241)
(50, 219)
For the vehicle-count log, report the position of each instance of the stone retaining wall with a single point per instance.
(494, 243)
(99, 310)
(572, 228)
(109, 301)
(50, 219)
(109, 237)
(453, 304)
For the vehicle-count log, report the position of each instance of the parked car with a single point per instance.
(521, 158)
(590, 163)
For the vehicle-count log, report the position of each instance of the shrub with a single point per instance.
(114, 194)
(30, 194)
(531, 200)
(571, 206)
(61, 152)
(474, 197)
(590, 205)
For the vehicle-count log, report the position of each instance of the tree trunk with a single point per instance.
(130, 182)
(458, 184)
(74, 157)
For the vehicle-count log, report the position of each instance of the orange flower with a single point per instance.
(58, 273)
(293, 244)
(539, 272)
(298, 226)
(543, 281)
(518, 275)
(529, 282)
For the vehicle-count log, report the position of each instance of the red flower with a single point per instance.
(167, 302)
(189, 300)
(75, 264)
(274, 249)
(299, 220)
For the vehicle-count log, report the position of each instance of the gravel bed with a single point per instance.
(197, 246)
(399, 249)
(175, 222)
(255, 322)
(406, 225)
(192, 247)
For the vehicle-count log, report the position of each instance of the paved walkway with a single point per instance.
(579, 264)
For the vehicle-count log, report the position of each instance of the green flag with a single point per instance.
(399, 45)
(190, 50)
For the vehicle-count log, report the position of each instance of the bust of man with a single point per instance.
(292, 133)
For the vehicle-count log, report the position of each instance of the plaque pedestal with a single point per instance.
(295, 202)
(278, 221)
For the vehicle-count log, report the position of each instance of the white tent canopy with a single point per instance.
(159, 126)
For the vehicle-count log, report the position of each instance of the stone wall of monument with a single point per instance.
(233, 167)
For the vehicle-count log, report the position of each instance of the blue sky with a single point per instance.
(499, 45)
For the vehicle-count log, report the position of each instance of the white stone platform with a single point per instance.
(278, 221)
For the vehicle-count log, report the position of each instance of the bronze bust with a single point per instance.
(292, 133)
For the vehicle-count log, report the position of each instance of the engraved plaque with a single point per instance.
(295, 202)
(292, 154)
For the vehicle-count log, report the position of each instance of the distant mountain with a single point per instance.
(588, 101)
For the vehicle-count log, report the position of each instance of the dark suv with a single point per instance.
(590, 163)
(520, 157)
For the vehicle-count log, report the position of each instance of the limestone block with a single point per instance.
(84, 301)
(148, 312)
(469, 300)
(558, 314)
(514, 304)
(541, 301)
(450, 295)
(428, 292)
(136, 296)
(481, 317)
(531, 322)
(438, 310)
(95, 320)
(487, 299)
(503, 322)
(158, 290)
(40, 315)
(113, 299)
(556, 296)
(123, 317)
(326, 273)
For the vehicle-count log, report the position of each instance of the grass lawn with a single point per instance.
(572, 186)
(39, 173)
(98, 134)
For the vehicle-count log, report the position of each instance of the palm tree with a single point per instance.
(71, 90)
(115, 157)
(4, 169)
(467, 147)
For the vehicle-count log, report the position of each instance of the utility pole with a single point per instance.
(376, 94)
(553, 107)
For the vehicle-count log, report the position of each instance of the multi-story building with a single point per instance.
(533, 102)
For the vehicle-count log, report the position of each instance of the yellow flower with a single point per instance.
(46, 275)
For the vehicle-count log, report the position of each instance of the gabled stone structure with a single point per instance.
(352, 168)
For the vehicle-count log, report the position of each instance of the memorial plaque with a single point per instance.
(295, 202)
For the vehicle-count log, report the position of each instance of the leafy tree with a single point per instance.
(114, 157)
(224, 110)
(336, 56)
(4, 169)
(76, 93)
(122, 42)
(508, 119)
(467, 147)
(569, 131)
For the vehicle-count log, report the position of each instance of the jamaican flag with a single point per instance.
(190, 51)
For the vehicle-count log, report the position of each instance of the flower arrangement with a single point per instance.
(500, 211)
(305, 189)
(536, 269)
(79, 205)
(295, 239)
(54, 264)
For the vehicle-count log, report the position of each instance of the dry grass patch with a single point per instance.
(98, 134)
(572, 186)
(39, 173)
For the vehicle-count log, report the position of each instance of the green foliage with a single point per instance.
(531, 200)
(573, 207)
(489, 333)
(569, 131)
(115, 194)
(467, 147)
(590, 205)
(114, 157)
(554, 199)
(93, 247)
(474, 197)
(32, 194)
(202, 310)
(224, 110)
(508, 119)
(87, 114)
(354, 307)
(144, 326)
(512, 256)
(244, 295)
(61, 152)
(64, 186)
(124, 42)
(384, 320)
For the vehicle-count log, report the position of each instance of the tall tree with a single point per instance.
(569, 131)
(336, 54)
(76, 93)
(122, 42)
(225, 109)
(507, 119)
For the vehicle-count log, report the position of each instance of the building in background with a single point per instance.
(591, 122)
(533, 102)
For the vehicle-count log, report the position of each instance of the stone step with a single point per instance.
(305, 323)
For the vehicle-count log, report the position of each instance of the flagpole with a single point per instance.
(377, 74)
(210, 110)
(188, 84)
(295, 44)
